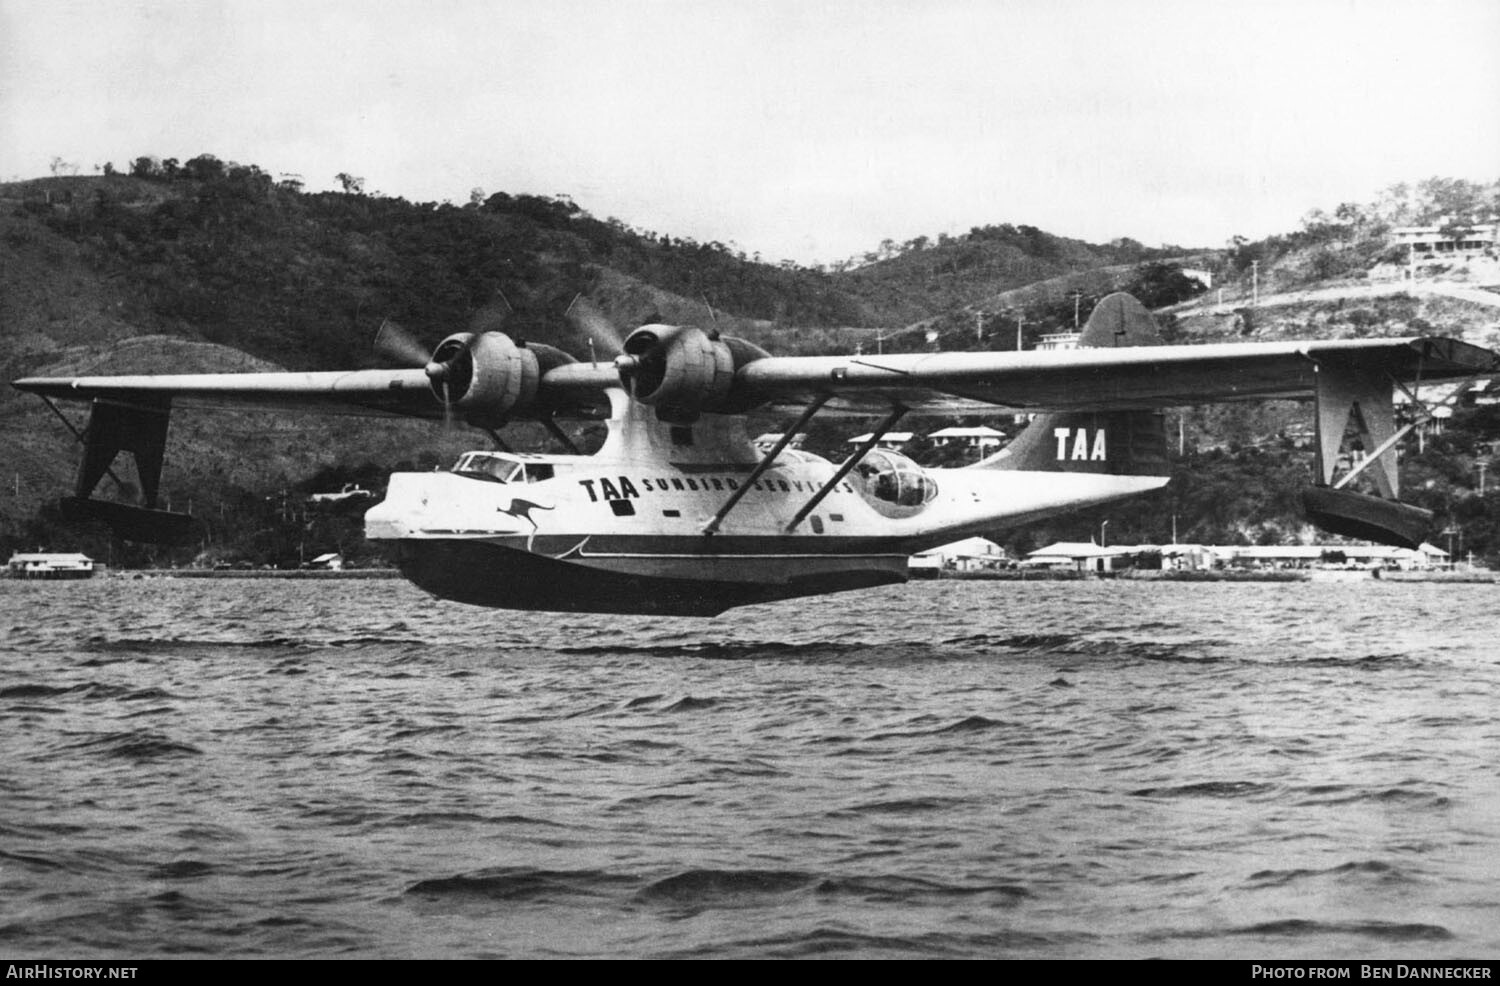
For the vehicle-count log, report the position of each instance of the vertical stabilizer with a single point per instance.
(1119, 443)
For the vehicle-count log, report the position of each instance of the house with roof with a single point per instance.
(1423, 556)
(892, 440)
(1081, 556)
(975, 554)
(982, 437)
(1426, 242)
(50, 565)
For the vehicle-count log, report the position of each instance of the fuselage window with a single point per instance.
(895, 479)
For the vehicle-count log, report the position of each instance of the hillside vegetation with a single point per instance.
(208, 266)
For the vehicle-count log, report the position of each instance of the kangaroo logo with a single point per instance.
(521, 510)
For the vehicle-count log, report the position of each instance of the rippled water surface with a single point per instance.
(1103, 769)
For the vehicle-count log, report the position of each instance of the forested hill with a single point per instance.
(226, 254)
(206, 266)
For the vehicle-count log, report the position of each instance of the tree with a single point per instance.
(1157, 285)
(351, 184)
(204, 167)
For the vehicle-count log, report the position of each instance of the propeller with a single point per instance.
(492, 315)
(586, 317)
(396, 343)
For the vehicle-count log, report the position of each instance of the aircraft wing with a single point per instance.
(1080, 379)
(1109, 378)
(402, 392)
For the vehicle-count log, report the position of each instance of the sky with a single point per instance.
(808, 130)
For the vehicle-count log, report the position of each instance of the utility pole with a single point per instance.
(1077, 298)
(1019, 323)
(979, 326)
(1254, 283)
(1482, 467)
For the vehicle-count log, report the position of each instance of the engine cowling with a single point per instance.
(487, 377)
(684, 371)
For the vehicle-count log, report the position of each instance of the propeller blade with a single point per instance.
(585, 316)
(449, 422)
(395, 343)
(491, 317)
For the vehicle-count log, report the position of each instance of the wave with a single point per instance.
(87, 689)
(969, 724)
(1207, 789)
(1371, 869)
(520, 884)
(726, 888)
(1344, 794)
(134, 746)
(1389, 931)
(740, 650)
(182, 869)
(897, 806)
(1085, 645)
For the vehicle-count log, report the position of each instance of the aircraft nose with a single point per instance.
(399, 514)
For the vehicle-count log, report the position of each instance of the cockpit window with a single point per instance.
(483, 465)
(500, 469)
(895, 479)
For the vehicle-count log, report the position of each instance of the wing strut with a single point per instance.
(849, 464)
(137, 426)
(765, 463)
(558, 433)
(82, 438)
(1344, 392)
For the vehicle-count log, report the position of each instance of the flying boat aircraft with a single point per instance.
(679, 513)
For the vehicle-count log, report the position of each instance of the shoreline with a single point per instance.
(1287, 575)
(290, 573)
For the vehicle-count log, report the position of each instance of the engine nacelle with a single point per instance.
(488, 376)
(683, 371)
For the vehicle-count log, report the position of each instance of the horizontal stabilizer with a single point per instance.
(130, 523)
(1369, 518)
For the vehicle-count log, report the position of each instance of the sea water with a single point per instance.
(291, 768)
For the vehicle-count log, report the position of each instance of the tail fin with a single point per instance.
(1120, 443)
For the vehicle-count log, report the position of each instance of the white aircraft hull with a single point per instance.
(543, 545)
